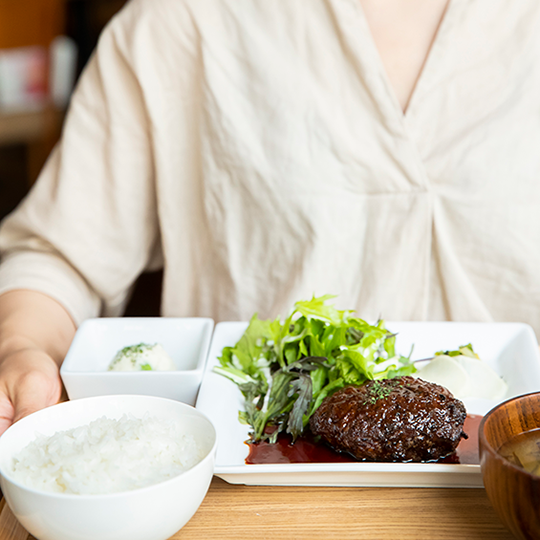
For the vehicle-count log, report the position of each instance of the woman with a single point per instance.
(261, 152)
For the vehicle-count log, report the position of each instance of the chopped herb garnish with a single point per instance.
(378, 391)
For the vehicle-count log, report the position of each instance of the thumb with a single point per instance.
(34, 391)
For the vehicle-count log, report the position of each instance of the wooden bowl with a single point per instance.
(513, 492)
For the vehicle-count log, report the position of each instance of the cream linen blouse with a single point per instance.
(256, 151)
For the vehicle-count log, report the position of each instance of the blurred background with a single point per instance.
(44, 45)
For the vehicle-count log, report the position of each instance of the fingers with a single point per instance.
(6, 413)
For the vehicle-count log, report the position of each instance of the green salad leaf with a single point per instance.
(285, 369)
(463, 350)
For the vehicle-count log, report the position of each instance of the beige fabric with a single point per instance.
(256, 149)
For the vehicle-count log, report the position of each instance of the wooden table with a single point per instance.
(247, 512)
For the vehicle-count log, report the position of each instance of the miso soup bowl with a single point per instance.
(155, 512)
(513, 492)
(186, 340)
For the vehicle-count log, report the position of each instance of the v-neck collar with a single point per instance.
(432, 61)
(382, 90)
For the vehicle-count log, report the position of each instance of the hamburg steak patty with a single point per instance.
(401, 419)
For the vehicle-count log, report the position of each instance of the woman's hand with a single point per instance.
(29, 381)
(35, 334)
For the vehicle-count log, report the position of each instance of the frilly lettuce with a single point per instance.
(285, 369)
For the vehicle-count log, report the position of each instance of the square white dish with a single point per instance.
(186, 340)
(511, 349)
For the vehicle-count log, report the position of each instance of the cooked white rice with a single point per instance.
(106, 456)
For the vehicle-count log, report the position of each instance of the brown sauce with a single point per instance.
(307, 450)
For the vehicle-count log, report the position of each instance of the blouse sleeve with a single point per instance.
(89, 226)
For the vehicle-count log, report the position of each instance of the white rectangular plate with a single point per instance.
(511, 349)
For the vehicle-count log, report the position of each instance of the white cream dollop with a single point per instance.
(142, 357)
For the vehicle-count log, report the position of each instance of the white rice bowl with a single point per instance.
(150, 497)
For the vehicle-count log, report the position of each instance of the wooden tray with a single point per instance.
(237, 512)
